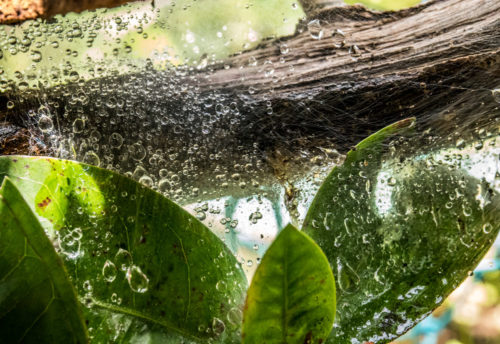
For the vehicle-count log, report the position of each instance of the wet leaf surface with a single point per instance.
(36, 297)
(144, 268)
(292, 295)
(402, 225)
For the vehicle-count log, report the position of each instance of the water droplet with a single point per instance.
(347, 278)
(87, 286)
(255, 217)
(109, 271)
(123, 259)
(146, 180)
(115, 140)
(45, 124)
(74, 76)
(78, 125)
(164, 185)
(284, 49)
(137, 280)
(91, 158)
(315, 29)
(235, 316)
(201, 215)
(137, 151)
(496, 94)
(487, 227)
(218, 326)
(36, 56)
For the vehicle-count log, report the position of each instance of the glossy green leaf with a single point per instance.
(292, 295)
(37, 302)
(144, 268)
(402, 225)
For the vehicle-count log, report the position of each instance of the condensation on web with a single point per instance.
(129, 90)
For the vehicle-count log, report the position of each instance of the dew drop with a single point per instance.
(115, 140)
(255, 217)
(487, 227)
(137, 151)
(78, 125)
(348, 279)
(109, 271)
(146, 181)
(123, 259)
(235, 316)
(91, 158)
(164, 185)
(36, 56)
(496, 94)
(45, 124)
(137, 280)
(315, 29)
(218, 326)
(284, 49)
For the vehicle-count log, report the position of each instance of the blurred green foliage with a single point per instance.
(385, 5)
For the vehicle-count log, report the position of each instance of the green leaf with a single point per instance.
(143, 266)
(37, 302)
(402, 224)
(292, 295)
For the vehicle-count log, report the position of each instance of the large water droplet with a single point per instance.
(45, 124)
(218, 326)
(235, 316)
(78, 125)
(91, 158)
(123, 259)
(315, 29)
(109, 271)
(348, 279)
(36, 56)
(137, 151)
(137, 280)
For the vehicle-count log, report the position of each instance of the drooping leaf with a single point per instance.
(37, 301)
(292, 295)
(142, 265)
(402, 225)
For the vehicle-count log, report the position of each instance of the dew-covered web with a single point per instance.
(141, 91)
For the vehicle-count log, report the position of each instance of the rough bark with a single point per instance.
(12, 11)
